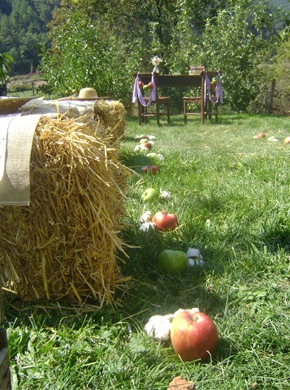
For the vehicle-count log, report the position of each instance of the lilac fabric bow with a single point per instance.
(137, 93)
(207, 89)
(219, 91)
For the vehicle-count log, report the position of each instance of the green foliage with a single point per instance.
(85, 54)
(102, 44)
(278, 69)
(236, 41)
(117, 41)
(23, 27)
(5, 63)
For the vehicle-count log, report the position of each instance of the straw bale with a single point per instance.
(110, 116)
(65, 245)
(10, 105)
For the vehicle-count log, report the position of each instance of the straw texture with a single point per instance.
(10, 105)
(65, 245)
(110, 117)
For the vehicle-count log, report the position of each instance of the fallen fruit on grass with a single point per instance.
(172, 262)
(150, 169)
(148, 145)
(147, 226)
(260, 135)
(159, 327)
(287, 140)
(144, 139)
(146, 217)
(193, 335)
(273, 139)
(165, 221)
(165, 195)
(149, 195)
(156, 155)
(194, 258)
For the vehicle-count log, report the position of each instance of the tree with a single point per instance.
(84, 54)
(102, 44)
(278, 69)
(237, 40)
(23, 27)
(5, 63)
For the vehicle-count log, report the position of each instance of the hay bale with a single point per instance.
(10, 105)
(110, 117)
(65, 245)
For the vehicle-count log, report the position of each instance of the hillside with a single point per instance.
(23, 31)
(284, 4)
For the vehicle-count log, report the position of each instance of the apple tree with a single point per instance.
(236, 41)
(5, 62)
(83, 53)
(276, 71)
(101, 44)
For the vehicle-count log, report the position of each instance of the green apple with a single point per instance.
(149, 195)
(144, 139)
(172, 262)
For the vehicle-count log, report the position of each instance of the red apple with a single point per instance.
(165, 221)
(260, 135)
(193, 335)
(148, 145)
(150, 85)
(150, 169)
(140, 84)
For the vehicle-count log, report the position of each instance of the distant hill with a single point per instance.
(284, 4)
(23, 31)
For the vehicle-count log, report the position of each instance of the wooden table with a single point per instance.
(186, 82)
(179, 81)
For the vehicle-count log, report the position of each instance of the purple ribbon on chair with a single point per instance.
(207, 89)
(219, 91)
(137, 93)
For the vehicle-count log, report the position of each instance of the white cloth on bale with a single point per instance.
(16, 133)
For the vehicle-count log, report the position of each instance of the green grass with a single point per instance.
(231, 195)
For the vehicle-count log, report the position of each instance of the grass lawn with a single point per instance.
(230, 193)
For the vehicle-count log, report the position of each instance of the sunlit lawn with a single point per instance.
(231, 195)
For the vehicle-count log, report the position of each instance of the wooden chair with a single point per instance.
(193, 105)
(158, 107)
(202, 104)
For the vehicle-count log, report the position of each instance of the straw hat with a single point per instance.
(88, 94)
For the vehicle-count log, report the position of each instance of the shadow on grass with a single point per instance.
(178, 120)
(136, 161)
(277, 238)
(152, 292)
